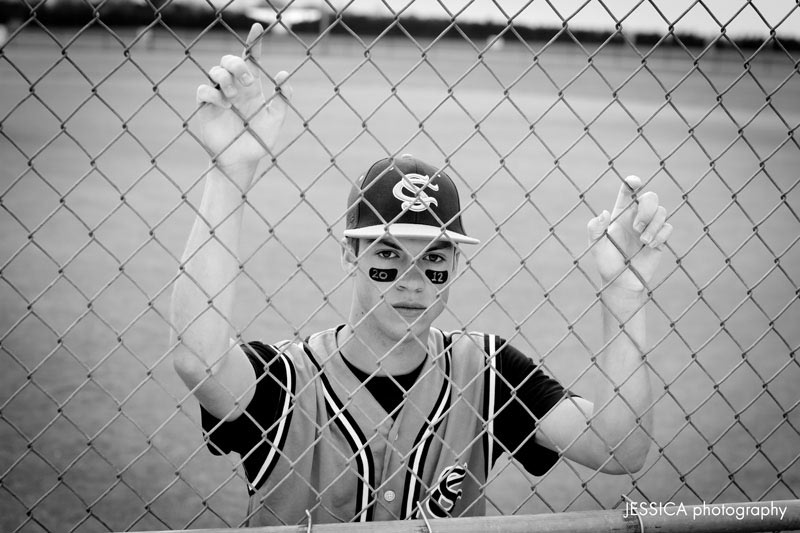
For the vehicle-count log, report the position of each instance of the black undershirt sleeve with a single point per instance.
(248, 430)
(524, 394)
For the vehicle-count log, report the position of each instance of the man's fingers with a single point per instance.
(646, 210)
(625, 195)
(280, 102)
(252, 48)
(654, 226)
(282, 88)
(597, 226)
(662, 235)
(238, 69)
(224, 80)
(209, 95)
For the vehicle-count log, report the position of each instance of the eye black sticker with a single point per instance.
(383, 274)
(437, 276)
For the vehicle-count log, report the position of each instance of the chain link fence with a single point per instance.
(101, 179)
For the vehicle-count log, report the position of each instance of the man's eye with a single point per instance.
(386, 254)
(434, 258)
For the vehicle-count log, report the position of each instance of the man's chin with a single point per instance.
(418, 323)
(401, 326)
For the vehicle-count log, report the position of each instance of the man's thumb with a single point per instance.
(279, 103)
(282, 87)
(598, 225)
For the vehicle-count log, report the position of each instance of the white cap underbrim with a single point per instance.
(409, 231)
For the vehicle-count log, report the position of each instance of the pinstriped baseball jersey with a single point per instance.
(333, 450)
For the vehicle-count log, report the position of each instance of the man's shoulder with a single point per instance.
(300, 340)
(468, 348)
(487, 347)
(478, 341)
(303, 350)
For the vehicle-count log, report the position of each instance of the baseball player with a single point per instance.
(387, 417)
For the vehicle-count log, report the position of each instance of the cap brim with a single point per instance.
(409, 231)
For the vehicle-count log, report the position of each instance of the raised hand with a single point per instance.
(637, 230)
(236, 125)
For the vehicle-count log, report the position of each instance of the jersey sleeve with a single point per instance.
(524, 394)
(244, 434)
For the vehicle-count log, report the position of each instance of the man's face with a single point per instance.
(418, 291)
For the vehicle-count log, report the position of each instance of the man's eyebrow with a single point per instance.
(437, 245)
(389, 244)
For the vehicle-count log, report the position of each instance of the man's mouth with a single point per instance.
(409, 308)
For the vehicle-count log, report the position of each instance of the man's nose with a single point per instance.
(412, 279)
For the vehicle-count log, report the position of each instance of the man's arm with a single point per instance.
(220, 375)
(610, 432)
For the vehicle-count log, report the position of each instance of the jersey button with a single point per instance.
(389, 495)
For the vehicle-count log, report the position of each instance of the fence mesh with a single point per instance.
(102, 174)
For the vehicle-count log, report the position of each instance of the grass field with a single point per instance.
(97, 431)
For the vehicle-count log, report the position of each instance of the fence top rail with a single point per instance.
(782, 515)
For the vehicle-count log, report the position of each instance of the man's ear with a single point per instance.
(348, 258)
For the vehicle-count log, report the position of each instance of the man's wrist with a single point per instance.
(623, 308)
(239, 174)
(622, 300)
(623, 291)
(237, 170)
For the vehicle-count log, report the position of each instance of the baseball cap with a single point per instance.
(405, 198)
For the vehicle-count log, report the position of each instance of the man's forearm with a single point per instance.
(203, 296)
(623, 395)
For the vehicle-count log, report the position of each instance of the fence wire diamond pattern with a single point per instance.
(102, 174)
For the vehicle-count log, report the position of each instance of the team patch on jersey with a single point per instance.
(446, 492)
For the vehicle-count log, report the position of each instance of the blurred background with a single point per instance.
(536, 109)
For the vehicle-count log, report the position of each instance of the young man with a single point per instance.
(386, 417)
